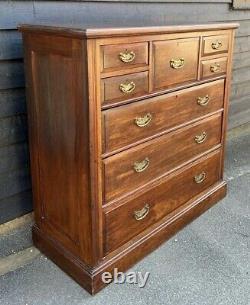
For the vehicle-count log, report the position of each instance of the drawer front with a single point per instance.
(175, 62)
(124, 87)
(126, 171)
(123, 56)
(215, 44)
(214, 67)
(126, 221)
(131, 123)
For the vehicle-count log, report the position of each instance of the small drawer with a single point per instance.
(126, 221)
(128, 124)
(215, 44)
(128, 170)
(124, 87)
(175, 62)
(122, 56)
(213, 67)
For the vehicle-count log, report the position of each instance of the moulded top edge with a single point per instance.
(81, 31)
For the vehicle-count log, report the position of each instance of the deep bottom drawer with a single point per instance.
(131, 218)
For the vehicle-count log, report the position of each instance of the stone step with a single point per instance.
(18, 260)
(15, 235)
(16, 247)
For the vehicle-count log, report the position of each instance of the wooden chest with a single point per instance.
(127, 134)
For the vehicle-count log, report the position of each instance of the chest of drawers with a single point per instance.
(127, 133)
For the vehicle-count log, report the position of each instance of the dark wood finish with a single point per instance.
(81, 218)
(59, 139)
(94, 14)
(90, 278)
(168, 111)
(121, 224)
(165, 52)
(111, 86)
(110, 56)
(162, 154)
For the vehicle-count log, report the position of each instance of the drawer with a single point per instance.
(122, 56)
(175, 62)
(213, 67)
(124, 87)
(131, 218)
(126, 171)
(215, 44)
(128, 124)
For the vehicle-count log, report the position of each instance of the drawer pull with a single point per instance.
(140, 214)
(200, 138)
(141, 166)
(216, 45)
(203, 101)
(200, 178)
(177, 63)
(127, 56)
(143, 121)
(128, 87)
(215, 68)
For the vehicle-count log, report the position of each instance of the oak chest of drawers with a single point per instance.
(127, 132)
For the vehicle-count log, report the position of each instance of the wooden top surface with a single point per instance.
(81, 31)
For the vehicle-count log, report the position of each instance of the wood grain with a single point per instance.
(164, 52)
(163, 154)
(167, 111)
(120, 223)
(111, 91)
(208, 41)
(90, 206)
(110, 56)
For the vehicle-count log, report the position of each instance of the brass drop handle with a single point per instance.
(216, 45)
(141, 166)
(215, 68)
(177, 63)
(203, 101)
(127, 56)
(200, 178)
(201, 138)
(127, 87)
(143, 121)
(140, 214)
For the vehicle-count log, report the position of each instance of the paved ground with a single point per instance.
(207, 263)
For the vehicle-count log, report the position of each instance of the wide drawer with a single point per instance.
(213, 67)
(127, 124)
(131, 218)
(215, 44)
(175, 62)
(126, 171)
(124, 87)
(123, 56)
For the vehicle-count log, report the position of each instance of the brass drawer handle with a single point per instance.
(200, 178)
(215, 68)
(128, 87)
(143, 121)
(140, 214)
(177, 63)
(203, 101)
(201, 138)
(127, 56)
(216, 45)
(141, 166)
